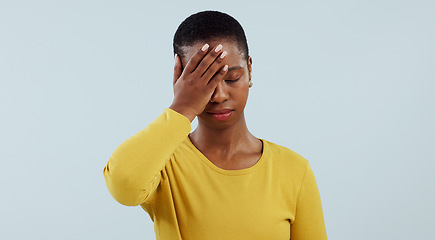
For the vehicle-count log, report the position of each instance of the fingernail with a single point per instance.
(225, 67)
(218, 48)
(205, 47)
(224, 53)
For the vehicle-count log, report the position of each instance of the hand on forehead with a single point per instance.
(234, 54)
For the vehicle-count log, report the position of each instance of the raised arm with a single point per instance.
(133, 171)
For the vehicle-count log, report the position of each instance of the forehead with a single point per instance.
(234, 56)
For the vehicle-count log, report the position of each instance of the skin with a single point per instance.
(203, 83)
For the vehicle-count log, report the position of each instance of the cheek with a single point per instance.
(243, 85)
(241, 91)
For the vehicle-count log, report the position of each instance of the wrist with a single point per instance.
(183, 112)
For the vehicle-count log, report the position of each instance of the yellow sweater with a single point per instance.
(188, 197)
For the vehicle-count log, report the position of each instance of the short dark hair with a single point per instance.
(209, 25)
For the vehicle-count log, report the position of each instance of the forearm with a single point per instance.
(133, 170)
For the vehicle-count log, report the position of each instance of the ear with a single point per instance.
(250, 67)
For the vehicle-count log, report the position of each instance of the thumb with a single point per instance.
(178, 69)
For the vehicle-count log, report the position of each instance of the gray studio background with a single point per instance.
(349, 85)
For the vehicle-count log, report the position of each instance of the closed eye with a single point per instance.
(232, 80)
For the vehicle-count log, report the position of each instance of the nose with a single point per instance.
(220, 93)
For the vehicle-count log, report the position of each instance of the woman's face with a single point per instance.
(232, 92)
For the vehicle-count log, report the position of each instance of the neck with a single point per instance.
(222, 140)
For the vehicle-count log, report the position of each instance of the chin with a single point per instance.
(209, 121)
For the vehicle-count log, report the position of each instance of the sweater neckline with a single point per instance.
(243, 171)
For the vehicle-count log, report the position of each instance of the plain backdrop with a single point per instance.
(349, 85)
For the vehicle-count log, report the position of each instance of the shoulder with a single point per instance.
(285, 156)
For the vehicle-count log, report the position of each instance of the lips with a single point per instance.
(221, 114)
(221, 111)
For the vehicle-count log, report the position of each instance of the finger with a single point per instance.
(178, 69)
(196, 58)
(216, 78)
(208, 60)
(215, 67)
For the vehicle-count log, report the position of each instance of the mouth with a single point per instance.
(221, 115)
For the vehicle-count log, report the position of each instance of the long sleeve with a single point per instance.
(309, 223)
(133, 171)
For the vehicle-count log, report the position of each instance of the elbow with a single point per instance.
(123, 189)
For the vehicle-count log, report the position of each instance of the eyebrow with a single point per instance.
(234, 68)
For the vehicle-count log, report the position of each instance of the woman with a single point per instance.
(220, 181)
